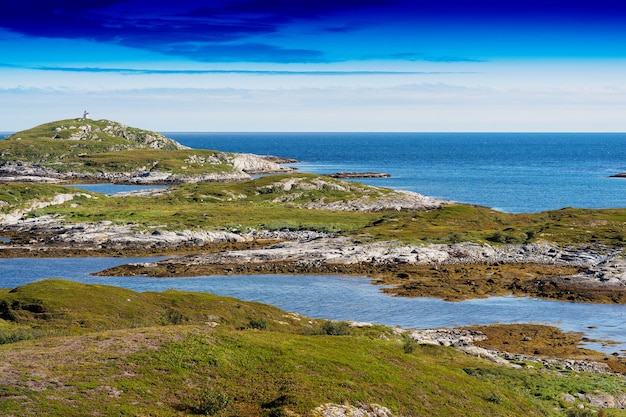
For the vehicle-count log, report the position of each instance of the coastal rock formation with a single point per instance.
(106, 235)
(345, 251)
(464, 340)
(255, 164)
(602, 267)
(30, 172)
(359, 175)
(398, 200)
(368, 198)
(17, 215)
(446, 337)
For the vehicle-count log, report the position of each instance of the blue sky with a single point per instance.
(343, 65)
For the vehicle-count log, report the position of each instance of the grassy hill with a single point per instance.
(84, 146)
(98, 350)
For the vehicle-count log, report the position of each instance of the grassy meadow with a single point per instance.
(263, 204)
(98, 350)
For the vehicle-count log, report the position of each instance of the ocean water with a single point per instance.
(512, 172)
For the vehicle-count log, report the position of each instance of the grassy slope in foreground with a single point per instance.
(257, 361)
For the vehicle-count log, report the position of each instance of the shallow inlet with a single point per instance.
(109, 189)
(342, 298)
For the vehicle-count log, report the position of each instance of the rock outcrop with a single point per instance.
(603, 267)
(106, 235)
(85, 129)
(30, 172)
(364, 198)
(336, 410)
(344, 250)
(464, 340)
(16, 216)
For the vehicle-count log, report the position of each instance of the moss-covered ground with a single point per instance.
(101, 350)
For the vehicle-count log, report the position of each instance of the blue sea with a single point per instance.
(512, 172)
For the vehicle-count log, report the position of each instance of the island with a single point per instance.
(162, 350)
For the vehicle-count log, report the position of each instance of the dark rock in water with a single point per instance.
(359, 175)
(620, 175)
(279, 159)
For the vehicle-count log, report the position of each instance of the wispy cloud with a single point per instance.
(147, 71)
(417, 56)
(406, 107)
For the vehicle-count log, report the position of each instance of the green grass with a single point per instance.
(14, 196)
(289, 365)
(174, 161)
(263, 204)
(61, 306)
(211, 206)
(110, 147)
(102, 133)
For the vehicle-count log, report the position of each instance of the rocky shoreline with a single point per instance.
(244, 166)
(591, 274)
(465, 341)
(45, 163)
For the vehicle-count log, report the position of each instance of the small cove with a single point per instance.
(342, 298)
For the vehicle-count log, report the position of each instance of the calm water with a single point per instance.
(115, 188)
(341, 298)
(513, 172)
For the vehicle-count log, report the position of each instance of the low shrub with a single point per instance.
(259, 324)
(335, 328)
(208, 402)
